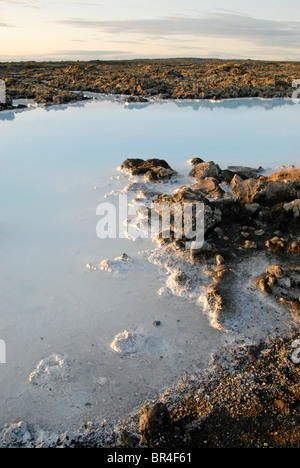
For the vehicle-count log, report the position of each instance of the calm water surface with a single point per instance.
(56, 166)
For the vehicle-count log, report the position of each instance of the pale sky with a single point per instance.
(125, 29)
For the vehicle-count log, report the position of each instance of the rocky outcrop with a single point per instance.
(243, 218)
(254, 404)
(206, 169)
(156, 428)
(246, 172)
(248, 191)
(264, 191)
(155, 170)
(282, 284)
(210, 187)
(246, 215)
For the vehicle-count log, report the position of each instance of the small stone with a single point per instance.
(219, 232)
(259, 232)
(157, 323)
(126, 439)
(279, 403)
(155, 425)
(275, 270)
(219, 259)
(252, 208)
(250, 245)
(294, 246)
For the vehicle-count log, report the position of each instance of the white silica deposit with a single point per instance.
(118, 265)
(139, 341)
(128, 342)
(49, 369)
(17, 435)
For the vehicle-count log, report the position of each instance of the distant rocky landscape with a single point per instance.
(51, 83)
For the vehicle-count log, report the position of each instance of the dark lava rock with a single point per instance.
(206, 169)
(126, 439)
(202, 170)
(283, 284)
(152, 169)
(264, 191)
(156, 425)
(195, 161)
(157, 323)
(210, 187)
(246, 172)
(136, 99)
(250, 398)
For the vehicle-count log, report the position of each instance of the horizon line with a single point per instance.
(147, 58)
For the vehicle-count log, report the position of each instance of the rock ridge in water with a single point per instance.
(253, 215)
(246, 216)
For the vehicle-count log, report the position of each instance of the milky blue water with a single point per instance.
(47, 153)
(56, 166)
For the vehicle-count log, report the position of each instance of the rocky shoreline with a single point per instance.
(246, 214)
(52, 83)
(247, 278)
(250, 397)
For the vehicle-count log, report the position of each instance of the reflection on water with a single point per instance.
(7, 115)
(196, 104)
(267, 104)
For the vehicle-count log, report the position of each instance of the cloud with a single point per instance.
(71, 54)
(87, 4)
(87, 53)
(23, 3)
(219, 24)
